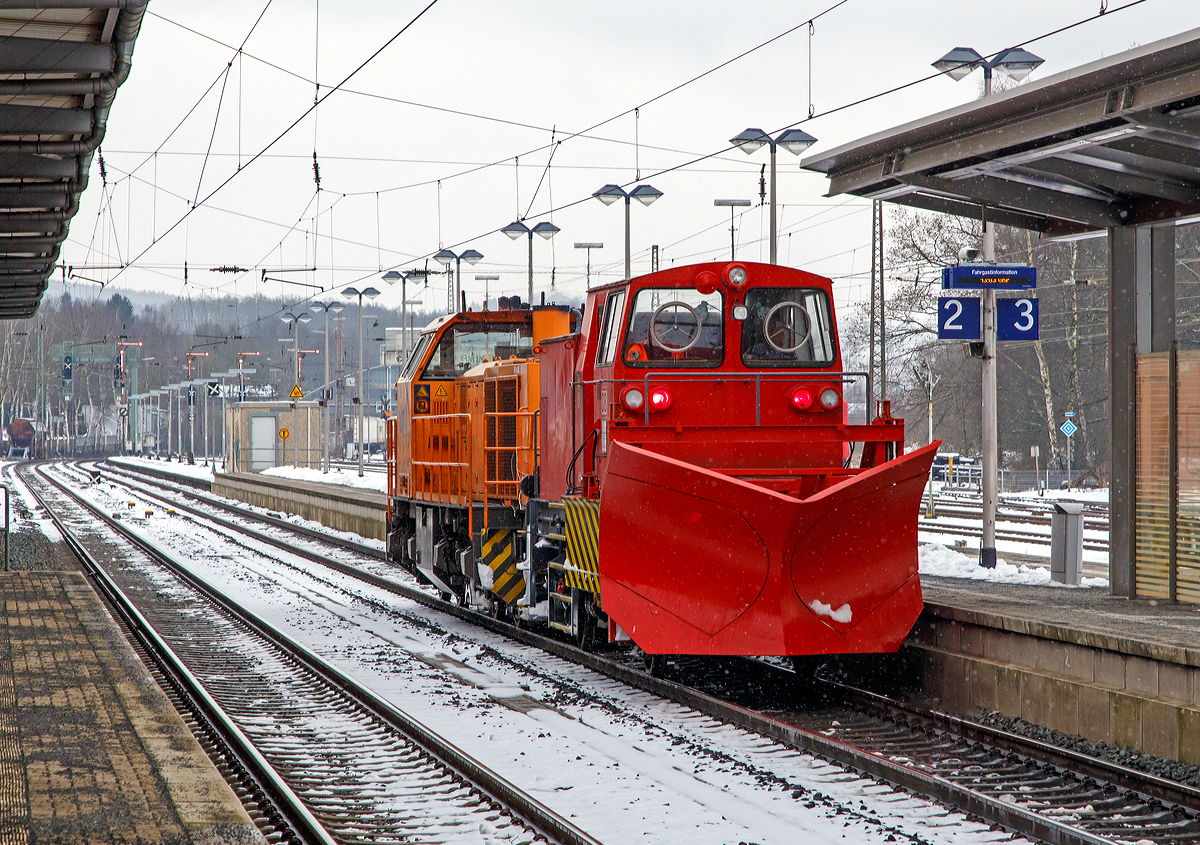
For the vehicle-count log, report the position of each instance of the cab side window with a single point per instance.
(614, 307)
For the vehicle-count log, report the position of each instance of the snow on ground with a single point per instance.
(370, 481)
(1098, 495)
(626, 765)
(22, 502)
(349, 478)
(187, 470)
(936, 559)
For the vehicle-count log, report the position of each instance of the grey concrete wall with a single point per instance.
(1100, 690)
(362, 512)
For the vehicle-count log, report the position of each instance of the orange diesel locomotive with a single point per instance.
(675, 467)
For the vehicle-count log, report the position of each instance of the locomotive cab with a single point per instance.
(731, 375)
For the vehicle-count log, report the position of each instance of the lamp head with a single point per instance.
(370, 293)
(546, 229)
(444, 257)
(749, 140)
(645, 194)
(350, 292)
(391, 276)
(795, 141)
(959, 62)
(610, 194)
(335, 307)
(515, 229)
(472, 256)
(1016, 63)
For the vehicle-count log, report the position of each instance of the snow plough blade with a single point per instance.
(696, 562)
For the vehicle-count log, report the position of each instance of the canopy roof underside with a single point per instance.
(1112, 143)
(61, 62)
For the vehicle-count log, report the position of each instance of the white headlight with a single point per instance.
(829, 398)
(737, 276)
(633, 399)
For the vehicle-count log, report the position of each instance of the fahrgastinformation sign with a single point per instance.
(989, 277)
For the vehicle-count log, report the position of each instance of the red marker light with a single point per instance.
(802, 399)
(660, 399)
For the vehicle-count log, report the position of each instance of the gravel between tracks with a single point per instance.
(1129, 757)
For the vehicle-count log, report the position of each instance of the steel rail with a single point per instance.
(213, 501)
(526, 807)
(1013, 818)
(1144, 783)
(931, 527)
(269, 782)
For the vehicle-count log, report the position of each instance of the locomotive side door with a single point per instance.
(603, 391)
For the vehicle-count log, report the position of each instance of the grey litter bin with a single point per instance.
(1066, 543)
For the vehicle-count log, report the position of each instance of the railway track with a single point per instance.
(929, 526)
(347, 766)
(1025, 786)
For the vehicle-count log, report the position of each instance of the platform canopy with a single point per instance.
(1111, 143)
(61, 62)
(1110, 148)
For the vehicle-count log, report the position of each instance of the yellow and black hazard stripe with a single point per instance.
(583, 543)
(499, 556)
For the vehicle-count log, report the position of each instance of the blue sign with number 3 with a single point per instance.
(958, 318)
(1016, 319)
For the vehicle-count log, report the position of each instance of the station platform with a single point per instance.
(359, 510)
(1076, 660)
(91, 750)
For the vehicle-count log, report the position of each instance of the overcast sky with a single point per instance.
(420, 149)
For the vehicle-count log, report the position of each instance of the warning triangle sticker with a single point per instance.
(296, 393)
(441, 391)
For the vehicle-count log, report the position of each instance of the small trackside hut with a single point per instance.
(674, 467)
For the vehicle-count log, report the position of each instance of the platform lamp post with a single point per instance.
(545, 229)
(589, 247)
(1016, 64)
(296, 320)
(369, 293)
(732, 204)
(391, 277)
(454, 291)
(795, 141)
(487, 277)
(645, 194)
(337, 308)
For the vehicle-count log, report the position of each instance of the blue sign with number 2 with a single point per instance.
(958, 318)
(1016, 319)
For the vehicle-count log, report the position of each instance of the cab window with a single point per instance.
(465, 345)
(787, 327)
(416, 356)
(675, 327)
(611, 331)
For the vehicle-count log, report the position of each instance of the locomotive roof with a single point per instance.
(683, 275)
(502, 315)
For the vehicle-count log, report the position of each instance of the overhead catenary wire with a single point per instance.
(695, 160)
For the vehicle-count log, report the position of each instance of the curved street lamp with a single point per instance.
(545, 229)
(645, 194)
(795, 141)
(369, 293)
(454, 291)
